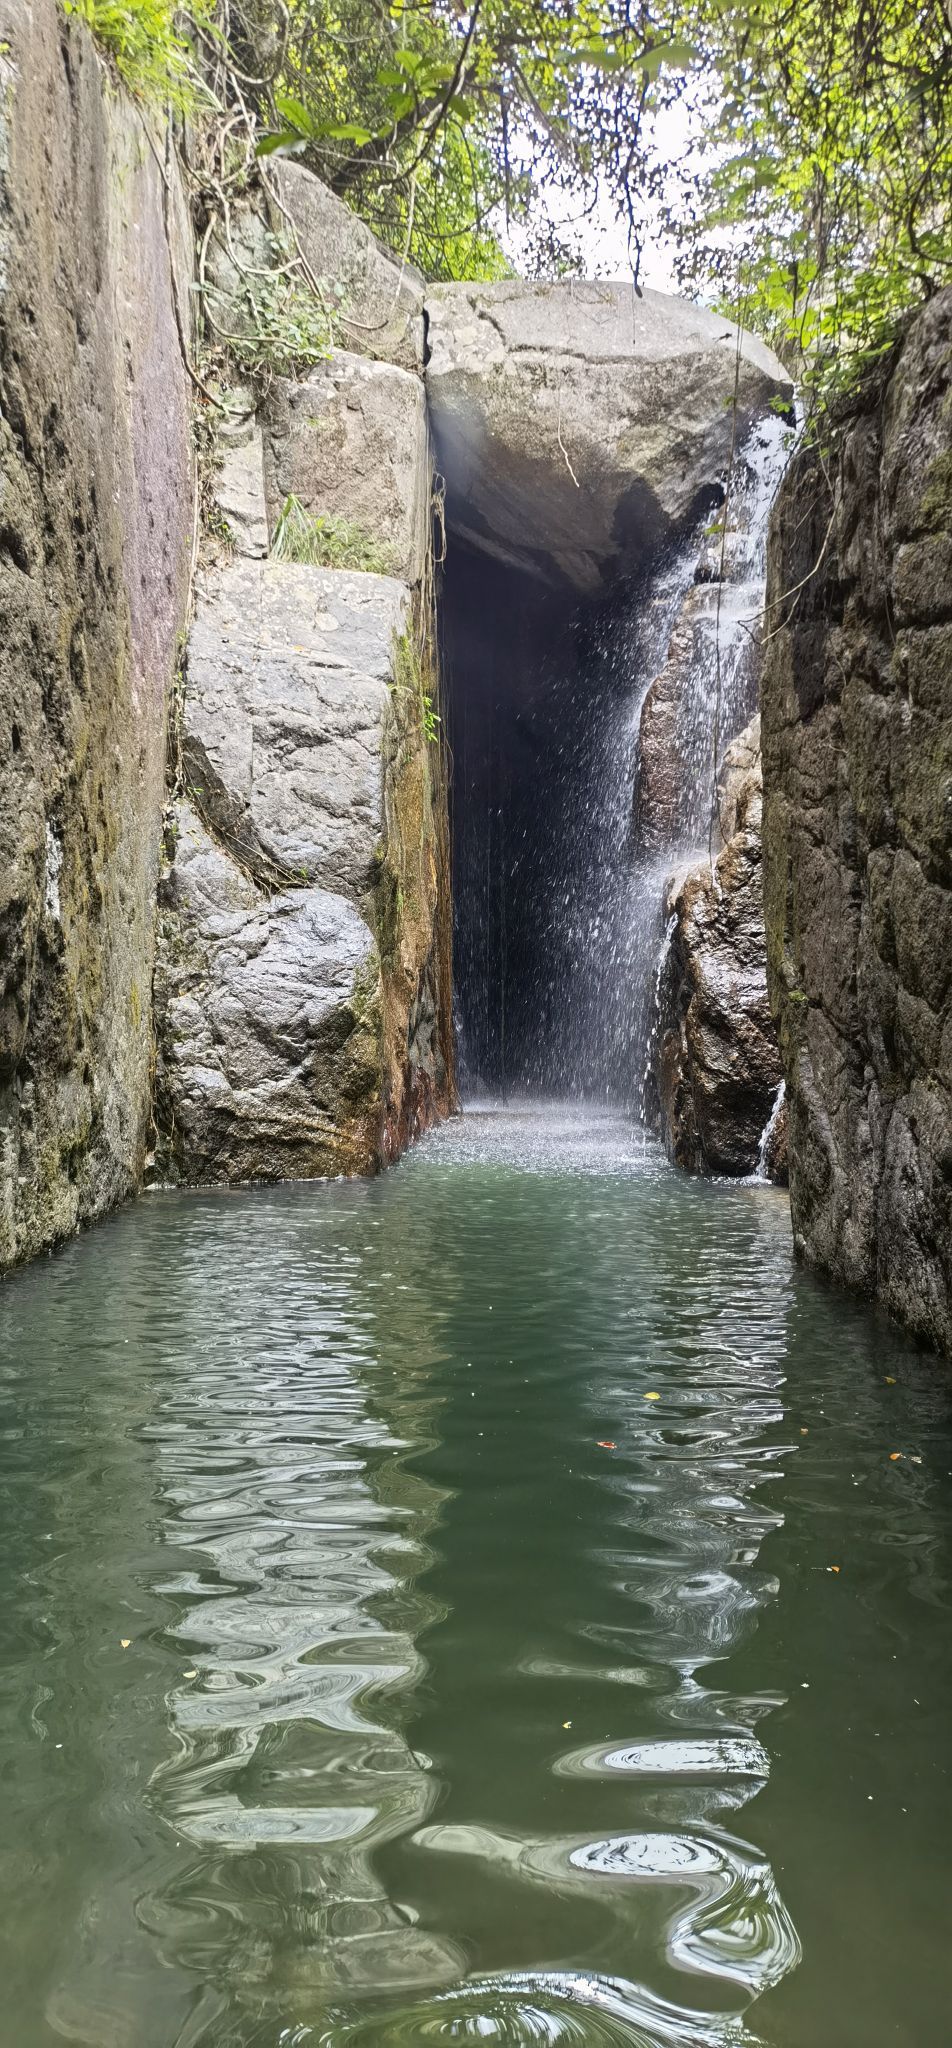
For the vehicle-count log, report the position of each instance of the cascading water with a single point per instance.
(768, 1135)
(700, 698)
(563, 841)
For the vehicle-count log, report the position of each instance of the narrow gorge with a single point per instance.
(476, 914)
(551, 626)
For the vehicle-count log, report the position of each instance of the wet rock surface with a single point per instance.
(579, 426)
(717, 1062)
(96, 518)
(857, 736)
(709, 678)
(265, 1020)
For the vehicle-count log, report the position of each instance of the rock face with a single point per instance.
(302, 1001)
(264, 1013)
(378, 299)
(857, 722)
(94, 546)
(303, 985)
(237, 486)
(351, 444)
(579, 426)
(717, 1063)
(288, 676)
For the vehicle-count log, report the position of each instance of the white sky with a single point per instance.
(604, 238)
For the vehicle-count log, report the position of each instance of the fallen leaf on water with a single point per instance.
(190, 1674)
(804, 1432)
(652, 1397)
(605, 1444)
(893, 1455)
(124, 1642)
(890, 1382)
(566, 1724)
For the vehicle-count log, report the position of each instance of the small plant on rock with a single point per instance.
(145, 41)
(274, 321)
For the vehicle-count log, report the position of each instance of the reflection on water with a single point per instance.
(475, 1605)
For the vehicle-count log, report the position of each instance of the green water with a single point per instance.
(439, 1719)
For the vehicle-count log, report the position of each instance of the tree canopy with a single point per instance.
(819, 199)
(810, 191)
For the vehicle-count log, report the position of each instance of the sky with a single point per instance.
(602, 236)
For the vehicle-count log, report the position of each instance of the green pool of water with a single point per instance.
(482, 1604)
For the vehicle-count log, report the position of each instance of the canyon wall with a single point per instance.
(857, 836)
(224, 900)
(95, 532)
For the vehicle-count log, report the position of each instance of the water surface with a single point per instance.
(481, 1604)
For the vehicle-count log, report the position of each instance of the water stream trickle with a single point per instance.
(768, 1133)
(721, 580)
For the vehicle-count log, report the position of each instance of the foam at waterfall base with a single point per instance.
(547, 1137)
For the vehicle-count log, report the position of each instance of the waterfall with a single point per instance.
(569, 816)
(768, 1133)
(682, 651)
(652, 1034)
(693, 702)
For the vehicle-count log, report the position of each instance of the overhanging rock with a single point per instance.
(578, 426)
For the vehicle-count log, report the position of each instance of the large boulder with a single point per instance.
(289, 670)
(350, 442)
(302, 984)
(857, 723)
(376, 299)
(579, 425)
(717, 1065)
(265, 1011)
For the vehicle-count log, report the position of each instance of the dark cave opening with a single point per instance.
(541, 725)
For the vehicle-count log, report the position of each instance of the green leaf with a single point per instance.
(294, 113)
(269, 145)
(344, 131)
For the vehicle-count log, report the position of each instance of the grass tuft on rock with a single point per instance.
(325, 543)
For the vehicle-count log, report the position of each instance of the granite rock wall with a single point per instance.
(857, 839)
(96, 508)
(303, 996)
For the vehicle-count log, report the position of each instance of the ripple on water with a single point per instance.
(383, 1665)
(559, 2008)
(714, 1756)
